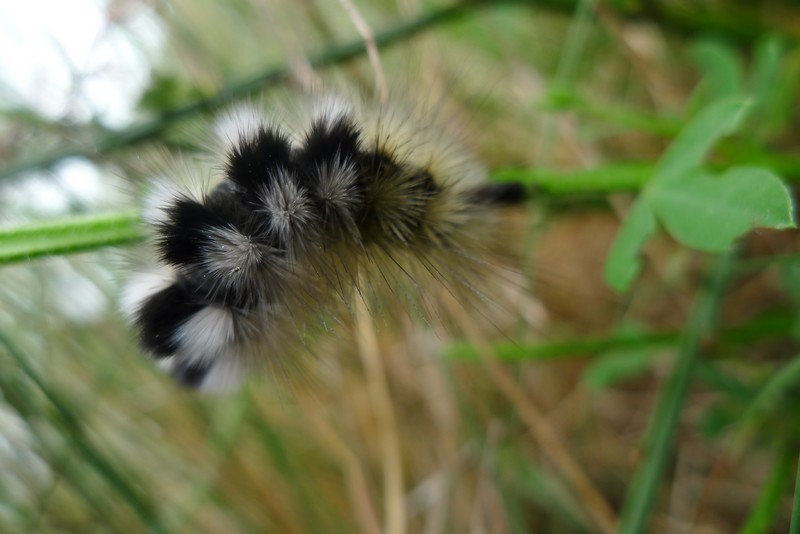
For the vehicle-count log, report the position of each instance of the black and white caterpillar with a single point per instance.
(298, 221)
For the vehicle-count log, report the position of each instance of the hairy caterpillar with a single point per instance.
(300, 220)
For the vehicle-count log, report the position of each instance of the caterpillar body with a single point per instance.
(299, 221)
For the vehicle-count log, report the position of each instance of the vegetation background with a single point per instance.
(660, 139)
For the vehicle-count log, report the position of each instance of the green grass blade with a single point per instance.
(624, 261)
(65, 236)
(570, 348)
(661, 436)
(565, 99)
(763, 327)
(794, 526)
(764, 511)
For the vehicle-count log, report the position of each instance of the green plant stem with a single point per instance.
(629, 176)
(76, 234)
(794, 526)
(661, 435)
(765, 326)
(564, 99)
(765, 509)
(573, 48)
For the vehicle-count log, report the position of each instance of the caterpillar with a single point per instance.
(348, 199)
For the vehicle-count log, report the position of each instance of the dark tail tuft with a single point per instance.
(501, 194)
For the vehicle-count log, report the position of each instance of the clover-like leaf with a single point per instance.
(623, 262)
(722, 69)
(676, 167)
(699, 136)
(709, 212)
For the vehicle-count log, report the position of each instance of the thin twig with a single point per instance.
(355, 479)
(300, 70)
(372, 50)
(368, 349)
(540, 428)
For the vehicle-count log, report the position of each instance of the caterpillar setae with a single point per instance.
(346, 200)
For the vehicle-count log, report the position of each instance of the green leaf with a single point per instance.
(722, 69)
(702, 212)
(697, 138)
(623, 263)
(709, 213)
